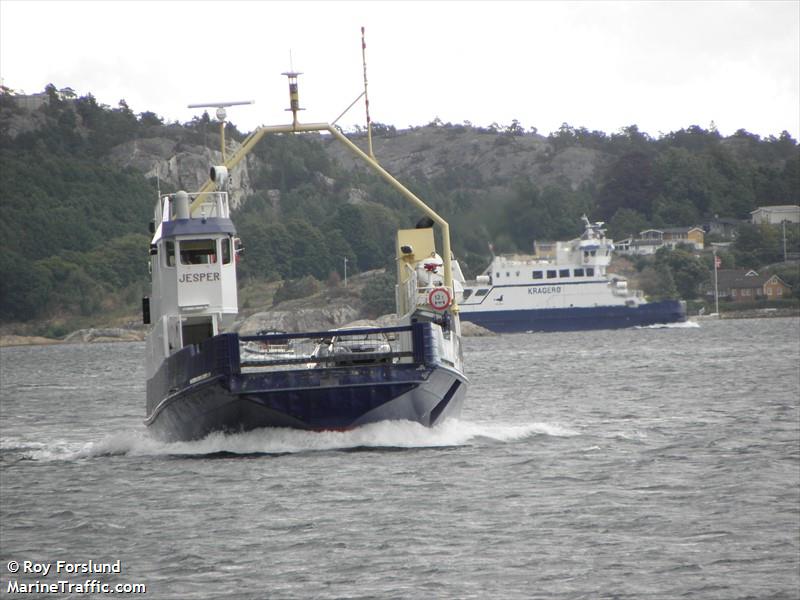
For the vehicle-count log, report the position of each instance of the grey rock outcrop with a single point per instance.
(103, 335)
(302, 319)
(181, 166)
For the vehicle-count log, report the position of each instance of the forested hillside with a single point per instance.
(78, 188)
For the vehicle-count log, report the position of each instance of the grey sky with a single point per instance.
(600, 65)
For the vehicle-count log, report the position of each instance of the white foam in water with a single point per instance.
(52, 450)
(684, 325)
(390, 434)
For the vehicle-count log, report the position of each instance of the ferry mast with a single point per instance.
(297, 127)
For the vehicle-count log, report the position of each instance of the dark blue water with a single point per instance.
(644, 463)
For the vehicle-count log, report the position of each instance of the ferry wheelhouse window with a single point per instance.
(590, 271)
(563, 273)
(482, 292)
(198, 252)
(578, 272)
(169, 254)
(552, 274)
(537, 274)
(226, 250)
(467, 293)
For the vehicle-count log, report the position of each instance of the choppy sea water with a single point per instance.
(642, 463)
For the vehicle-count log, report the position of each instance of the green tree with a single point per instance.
(757, 245)
(378, 295)
(687, 270)
(630, 182)
(625, 223)
(657, 283)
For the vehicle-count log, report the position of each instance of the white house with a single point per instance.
(775, 215)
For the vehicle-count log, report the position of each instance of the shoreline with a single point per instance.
(120, 335)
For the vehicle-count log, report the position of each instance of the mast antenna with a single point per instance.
(221, 116)
(294, 95)
(366, 97)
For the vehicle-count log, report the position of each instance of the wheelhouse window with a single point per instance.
(226, 251)
(481, 292)
(537, 274)
(552, 274)
(578, 272)
(590, 271)
(467, 293)
(169, 254)
(563, 273)
(198, 252)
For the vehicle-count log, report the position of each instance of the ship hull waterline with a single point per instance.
(578, 319)
(314, 399)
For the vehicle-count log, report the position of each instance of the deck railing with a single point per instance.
(225, 355)
(336, 348)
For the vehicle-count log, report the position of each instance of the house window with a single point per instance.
(563, 273)
(769, 291)
(551, 274)
(497, 275)
(537, 274)
(578, 272)
(590, 271)
(779, 291)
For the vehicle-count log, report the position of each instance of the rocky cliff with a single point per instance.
(181, 166)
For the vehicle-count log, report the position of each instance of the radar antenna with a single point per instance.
(221, 116)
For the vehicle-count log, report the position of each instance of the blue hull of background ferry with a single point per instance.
(578, 319)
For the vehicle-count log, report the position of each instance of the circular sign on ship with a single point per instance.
(439, 298)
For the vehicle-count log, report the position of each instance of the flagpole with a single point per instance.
(716, 290)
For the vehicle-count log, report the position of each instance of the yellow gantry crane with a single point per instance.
(297, 127)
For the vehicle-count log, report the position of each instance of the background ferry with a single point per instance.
(562, 287)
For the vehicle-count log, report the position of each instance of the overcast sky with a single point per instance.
(601, 65)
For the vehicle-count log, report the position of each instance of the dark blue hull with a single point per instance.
(217, 395)
(578, 319)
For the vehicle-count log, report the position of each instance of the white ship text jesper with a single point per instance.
(195, 277)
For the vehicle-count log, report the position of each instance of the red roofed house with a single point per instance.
(742, 285)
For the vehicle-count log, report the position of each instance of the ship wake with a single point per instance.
(383, 436)
(682, 325)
